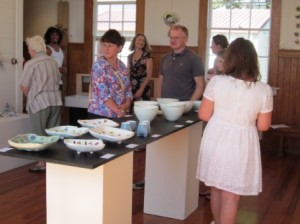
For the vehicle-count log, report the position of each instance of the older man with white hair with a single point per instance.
(40, 83)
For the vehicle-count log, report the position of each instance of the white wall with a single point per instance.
(41, 14)
(155, 28)
(288, 24)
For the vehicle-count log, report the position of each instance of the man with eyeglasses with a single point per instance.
(181, 70)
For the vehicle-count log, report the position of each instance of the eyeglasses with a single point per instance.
(176, 38)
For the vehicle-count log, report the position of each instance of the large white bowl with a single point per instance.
(145, 113)
(145, 103)
(188, 106)
(172, 111)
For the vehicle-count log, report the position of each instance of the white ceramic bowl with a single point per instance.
(84, 145)
(67, 131)
(166, 100)
(32, 142)
(145, 113)
(91, 123)
(188, 106)
(145, 103)
(111, 134)
(172, 111)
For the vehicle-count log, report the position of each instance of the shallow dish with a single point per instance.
(111, 134)
(32, 142)
(92, 123)
(84, 145)
(67, 131)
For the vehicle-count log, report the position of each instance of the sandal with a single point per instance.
(205, 193)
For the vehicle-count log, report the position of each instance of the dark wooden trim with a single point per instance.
(289, 53)
(76, 46)
(274, 42)
(88, 34)
(202, 29)
(140, 16)
(160, 49)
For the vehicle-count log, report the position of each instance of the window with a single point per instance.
(114, 14)
(244, 18)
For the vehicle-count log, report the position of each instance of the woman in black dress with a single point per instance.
(140, 66)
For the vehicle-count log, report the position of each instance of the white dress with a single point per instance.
(229, 157)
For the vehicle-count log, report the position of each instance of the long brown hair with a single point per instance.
(241, 60)
(146, 48)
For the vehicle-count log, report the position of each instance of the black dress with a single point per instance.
(138, 73)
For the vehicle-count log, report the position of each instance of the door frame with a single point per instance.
(19, 54)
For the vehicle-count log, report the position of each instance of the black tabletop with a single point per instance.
(60, 154)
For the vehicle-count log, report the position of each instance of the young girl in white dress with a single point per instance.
(236, 106)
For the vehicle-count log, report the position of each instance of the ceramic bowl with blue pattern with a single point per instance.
(32, 142)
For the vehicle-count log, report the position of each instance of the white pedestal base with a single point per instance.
(102, 195)
(171, 187)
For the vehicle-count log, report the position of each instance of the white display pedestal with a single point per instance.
(102, 195)
(171, 187)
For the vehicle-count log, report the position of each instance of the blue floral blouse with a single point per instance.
(106, 84)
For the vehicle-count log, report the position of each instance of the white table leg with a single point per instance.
(102, 195)
(171, 187)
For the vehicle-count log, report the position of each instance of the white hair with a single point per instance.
(36, 43)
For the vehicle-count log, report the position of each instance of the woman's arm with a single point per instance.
(264, 121)
(206, 109)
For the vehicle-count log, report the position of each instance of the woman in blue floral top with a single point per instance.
(111, 94)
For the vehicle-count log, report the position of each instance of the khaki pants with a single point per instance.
(43, 119)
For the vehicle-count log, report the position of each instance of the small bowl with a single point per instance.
(172, 111)
(145, 113)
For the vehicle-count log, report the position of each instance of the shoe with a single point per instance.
(139, 185)
(37, 169)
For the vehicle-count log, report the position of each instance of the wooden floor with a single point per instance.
(23, 200)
